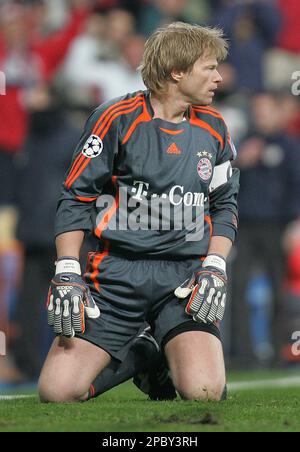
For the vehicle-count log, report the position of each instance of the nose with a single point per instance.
(218, 77)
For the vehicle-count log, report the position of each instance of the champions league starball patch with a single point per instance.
(93, 147)
(205, 169)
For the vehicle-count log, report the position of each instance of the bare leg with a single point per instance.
(70, 368)
(197, 365)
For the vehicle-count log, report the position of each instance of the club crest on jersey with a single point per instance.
(93, 147)
(204, 169)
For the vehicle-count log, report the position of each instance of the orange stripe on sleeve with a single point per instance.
(198, 122)
(75, 163)
(104, 117)
(113, 107)
(112, 111)
(102, 130)
(74, 169)
(144, 117)
(86, 161)
(206, 108)
(207, 112)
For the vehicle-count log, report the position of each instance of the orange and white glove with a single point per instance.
(207, 290)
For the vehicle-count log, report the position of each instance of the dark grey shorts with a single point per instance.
(132, 291)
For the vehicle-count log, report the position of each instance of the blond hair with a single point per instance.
(178, 46)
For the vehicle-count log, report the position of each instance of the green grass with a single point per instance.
(125, 409)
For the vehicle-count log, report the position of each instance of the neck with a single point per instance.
(169, 106)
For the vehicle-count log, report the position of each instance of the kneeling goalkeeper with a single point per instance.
(152, 179)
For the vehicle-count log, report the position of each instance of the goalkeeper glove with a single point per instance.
(69, 299)
(208, 290)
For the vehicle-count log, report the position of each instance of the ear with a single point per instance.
(177, 75)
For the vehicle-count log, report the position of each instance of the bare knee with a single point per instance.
(70, 367)
(201, 390)
(61, 392)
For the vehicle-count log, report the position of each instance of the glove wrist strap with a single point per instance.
(68, 265)
(213, 260)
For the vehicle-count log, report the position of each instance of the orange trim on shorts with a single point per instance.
(92, 391)
(98, 258)
(207, 218)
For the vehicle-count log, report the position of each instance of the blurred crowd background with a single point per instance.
(62, 58)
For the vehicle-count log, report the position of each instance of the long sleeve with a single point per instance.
(224, 191)
(91, 167)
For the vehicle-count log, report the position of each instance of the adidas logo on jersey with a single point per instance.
(173, 149)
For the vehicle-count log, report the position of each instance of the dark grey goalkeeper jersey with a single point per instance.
(149, 186)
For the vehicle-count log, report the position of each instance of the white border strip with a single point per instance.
(16, 397)
(265, 384)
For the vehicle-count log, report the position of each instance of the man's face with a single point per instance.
(198, 86)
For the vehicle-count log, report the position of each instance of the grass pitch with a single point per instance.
(125, 409)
